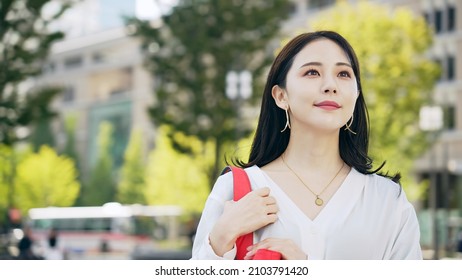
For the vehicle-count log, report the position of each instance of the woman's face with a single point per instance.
(321, 88)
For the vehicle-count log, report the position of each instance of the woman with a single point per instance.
(314, 193)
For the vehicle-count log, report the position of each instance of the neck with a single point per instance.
(313, 151)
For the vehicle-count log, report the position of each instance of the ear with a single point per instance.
(280, 97)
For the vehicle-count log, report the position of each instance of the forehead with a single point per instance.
(323, 50)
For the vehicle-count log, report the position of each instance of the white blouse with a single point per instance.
(368, 218)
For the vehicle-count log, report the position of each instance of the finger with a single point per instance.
(268, 244)
(263, 191)
(271, 218)
(272, 209)
(252, 250)
(270, 200)
(249, 255)
(263, 244)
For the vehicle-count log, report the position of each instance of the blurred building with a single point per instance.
(445, 156)
(442, 163)
(101, 69)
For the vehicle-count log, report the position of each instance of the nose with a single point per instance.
(330, 89)
(329, 86)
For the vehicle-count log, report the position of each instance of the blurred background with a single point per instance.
(116, 116)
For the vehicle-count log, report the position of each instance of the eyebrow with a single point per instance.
(320, 64)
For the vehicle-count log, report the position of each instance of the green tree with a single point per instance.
(397, 76)
(190, 51)
(174, 178)
(101, 186)
(46, 179)
(70, 123)
(132, 185)
(10, 158)
(41, 116)
(7, 175)
(25, 43)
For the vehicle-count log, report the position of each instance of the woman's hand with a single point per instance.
(288, 249)
(255, 210)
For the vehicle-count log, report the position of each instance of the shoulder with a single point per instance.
(380, 181)
(223, 188)
(254, 174)
(384, 199)
(384, 189)
(257, 177)
(226, 177)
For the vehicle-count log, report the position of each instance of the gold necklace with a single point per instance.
(318, 201)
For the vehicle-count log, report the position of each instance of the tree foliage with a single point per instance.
(25, 43)
(189, 52)
(70, 124)
(397, 76)
(176, 178)
(101, 186)
(10, 158)
(45, 179)
(41, 116)
(132, 184)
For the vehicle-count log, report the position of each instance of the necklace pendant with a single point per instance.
(318, 201)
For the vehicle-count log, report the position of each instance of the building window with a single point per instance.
(316, 4)
(449, 117)
(440, 65)
(49, 68)
(293, 8)
(98, 57)
(442, 20)
(438, 21)
(451, 67)
(68, 94)
(73, 62)
(451, 18)
(124, 82)
(448, 68)
(427, 18)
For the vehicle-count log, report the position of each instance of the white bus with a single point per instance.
(111, 231)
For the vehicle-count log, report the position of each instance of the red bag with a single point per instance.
(241, 188)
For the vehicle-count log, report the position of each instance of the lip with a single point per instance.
(328, 105)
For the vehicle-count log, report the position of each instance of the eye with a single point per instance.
(312, 72)
(344, 74)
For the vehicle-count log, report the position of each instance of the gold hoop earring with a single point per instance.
(287, 122)
(348, 126)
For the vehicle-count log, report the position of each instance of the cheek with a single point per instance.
(352, 104)
(302, 91)
(351, 93)
(349, 102)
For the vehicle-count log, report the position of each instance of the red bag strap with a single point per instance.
(241, 187)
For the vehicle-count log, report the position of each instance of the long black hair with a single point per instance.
(269, 143)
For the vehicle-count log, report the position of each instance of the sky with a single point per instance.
(91, 16)
(148, 9)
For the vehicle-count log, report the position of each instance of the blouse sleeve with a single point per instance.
(406, 245)
(222, 191)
